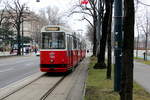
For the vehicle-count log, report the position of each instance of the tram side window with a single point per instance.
(68, 47)
(69, 42)
(74, 44)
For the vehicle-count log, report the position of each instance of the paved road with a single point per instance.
(15, 68)
(142, 75)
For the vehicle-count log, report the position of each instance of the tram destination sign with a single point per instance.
(52, 28)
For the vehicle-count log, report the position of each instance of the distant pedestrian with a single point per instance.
(144, 55)
(11, 51)
(87, 51)
(27, 50)
(35, 50)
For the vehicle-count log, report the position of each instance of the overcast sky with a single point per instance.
(64, 5)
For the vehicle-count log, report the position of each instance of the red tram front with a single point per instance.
(60, 50)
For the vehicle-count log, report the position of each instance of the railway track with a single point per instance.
(21, 93)
(51, 89)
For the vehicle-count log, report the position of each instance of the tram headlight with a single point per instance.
(51, 60)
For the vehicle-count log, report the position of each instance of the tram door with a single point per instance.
(69, 47)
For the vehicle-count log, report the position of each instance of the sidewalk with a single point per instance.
(7, 54)
(142, 75)
(3, 54)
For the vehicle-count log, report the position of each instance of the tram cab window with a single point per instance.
(53, 40)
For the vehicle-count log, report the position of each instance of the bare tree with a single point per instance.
(90, 11)
(2, 16)
(105, 31)
(16, 12)
(137, 40)
(40, 20)
(54, 16)
(146, 30)
(90, 33)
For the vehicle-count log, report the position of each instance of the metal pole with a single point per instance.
(118, 43)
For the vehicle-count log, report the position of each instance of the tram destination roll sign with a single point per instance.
(52, 28)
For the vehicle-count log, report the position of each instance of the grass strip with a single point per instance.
(100, 88)
(141, 60)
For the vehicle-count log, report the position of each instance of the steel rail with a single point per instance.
(21, 88)
(51, 89)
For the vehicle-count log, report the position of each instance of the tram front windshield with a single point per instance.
(53, 40)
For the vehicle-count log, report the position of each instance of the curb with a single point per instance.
(84, 90)
(8, 90)
(7, 56)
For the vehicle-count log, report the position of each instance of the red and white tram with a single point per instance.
(60, 49)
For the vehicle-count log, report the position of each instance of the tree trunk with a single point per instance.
(94, 33)
(101, 56)
(18, 40)
(126, 92)
(109, 42)
(94, 39)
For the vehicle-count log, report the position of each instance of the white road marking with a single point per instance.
(29, 64)
(5, 70)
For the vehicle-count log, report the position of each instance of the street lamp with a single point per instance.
(37, 0)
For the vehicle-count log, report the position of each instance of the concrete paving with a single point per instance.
(142, 75)
(18, 85)
(72, 87)
(35, 90)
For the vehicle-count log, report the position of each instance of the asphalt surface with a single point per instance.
(16, 68)
(72, 87)
(142, 75)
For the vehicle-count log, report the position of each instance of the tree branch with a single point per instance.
(88, 21)
(138, 1)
